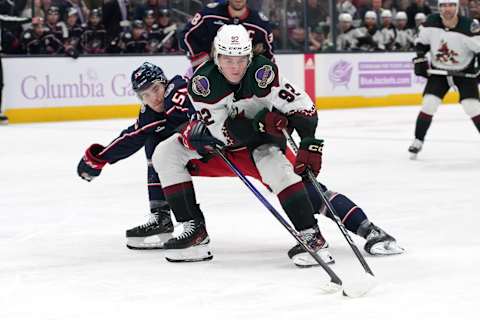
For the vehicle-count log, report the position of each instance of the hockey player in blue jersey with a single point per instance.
(165, 106)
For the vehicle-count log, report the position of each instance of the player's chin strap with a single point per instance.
(329, 206)
(335, 283)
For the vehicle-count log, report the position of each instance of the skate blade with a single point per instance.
(305, 260)
(192, 254)
(386, 248)
(154, 242)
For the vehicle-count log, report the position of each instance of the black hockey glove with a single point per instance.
(90, 166)
(421, 66)
(196, 136)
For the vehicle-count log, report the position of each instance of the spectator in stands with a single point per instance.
(346, 6)
(316, 13)
(474, 9)
(168, 31)
(135, 40)
(81, 7)
(141, 9)
(414, 8)
(362, 7)
(12, 8)
(115, 17)
(464, 8)
(94, 38)
(72, 42)
(276, 32)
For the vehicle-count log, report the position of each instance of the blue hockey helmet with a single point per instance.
(145, 75)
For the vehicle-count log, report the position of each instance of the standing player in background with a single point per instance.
(197, 37)
(453, 42)
(165, 106)
(244, 103)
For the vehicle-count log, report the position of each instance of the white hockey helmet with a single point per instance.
(455, 2)
(386, 14)
(439, 2)
(370, 15)
(345, 17)
(401, 15)
(232, 40)
(420, 17)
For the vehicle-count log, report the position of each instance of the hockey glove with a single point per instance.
(196, 136)
(90, 166)
(309, 156)
(270, 122)
(421, 66)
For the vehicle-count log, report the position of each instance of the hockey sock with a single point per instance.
(155, 192)
(349, 213)
(423, 123)
(476, 122)
(295, 202)
(183, 202)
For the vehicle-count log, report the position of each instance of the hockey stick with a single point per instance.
(452, 73)
(329, 206)
(335, 283)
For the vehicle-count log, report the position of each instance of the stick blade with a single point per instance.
(360, 288)
(330, 288)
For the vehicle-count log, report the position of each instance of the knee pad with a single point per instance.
(170, 160)
(274, 168)
(471, 107)
(430, 104)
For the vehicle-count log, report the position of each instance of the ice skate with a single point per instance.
(415, 148)
(379, 243)
(191, 245)
(3, 119)
(313, 237)
(152, 234)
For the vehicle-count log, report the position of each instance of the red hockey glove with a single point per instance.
(90, 166)
(270, 122)
(309, 156)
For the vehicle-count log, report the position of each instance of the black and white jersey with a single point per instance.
(348, 40)
(404, 40)
(450, 49)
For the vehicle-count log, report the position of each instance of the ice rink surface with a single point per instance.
(62, 251)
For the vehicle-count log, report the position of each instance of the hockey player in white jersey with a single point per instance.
(245, 103)
(453, 43)
(388, 30)
(404, 40)
(347, 39)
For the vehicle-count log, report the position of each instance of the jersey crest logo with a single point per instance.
(445, 54)
(264, 76)
(201, 86)
(168, 90)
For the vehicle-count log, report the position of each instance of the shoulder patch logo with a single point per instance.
(212, 4)
(264, 76)
(168, 90)
(475, 26)
(262, 16)
(201, 86)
